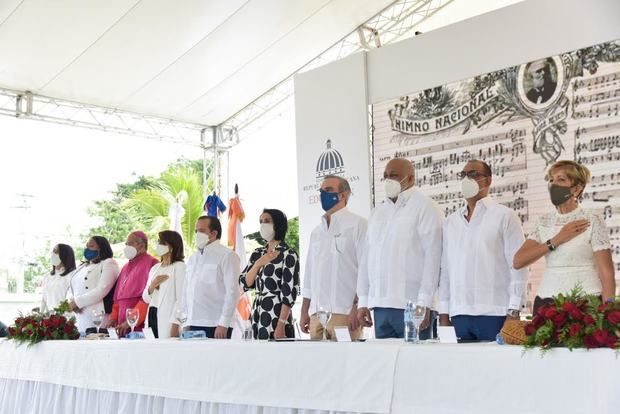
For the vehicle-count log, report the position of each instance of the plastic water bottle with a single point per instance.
(410, 334)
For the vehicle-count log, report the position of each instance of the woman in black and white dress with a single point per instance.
(273, 270)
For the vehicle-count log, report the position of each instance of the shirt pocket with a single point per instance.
(208, 275)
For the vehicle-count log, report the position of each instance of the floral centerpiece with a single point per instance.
(575, 320)
(44, 326)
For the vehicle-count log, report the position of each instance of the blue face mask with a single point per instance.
(90, 254)
(328, 200)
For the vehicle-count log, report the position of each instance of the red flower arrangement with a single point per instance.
(43, 326)
(574, 321)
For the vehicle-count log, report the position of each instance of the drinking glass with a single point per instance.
(324, 314)
(132, 315)
(97, 318)
(181, 315)
(418, 317)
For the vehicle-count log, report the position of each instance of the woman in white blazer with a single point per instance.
(56, 283)
(92, 281)
(164, 291)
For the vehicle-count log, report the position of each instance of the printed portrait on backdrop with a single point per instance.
(540, 80)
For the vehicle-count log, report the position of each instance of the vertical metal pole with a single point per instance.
(216, 162)
(203, 145)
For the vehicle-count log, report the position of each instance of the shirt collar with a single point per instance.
(404, 196)
(210, 246)
(487, 202)
(335, 217)
(137, 257)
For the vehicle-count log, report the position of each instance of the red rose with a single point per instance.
(589, 320)
(68, 329)
(11, 331)
(530, 329)
(569, 307)
(576, 314)
(559, 320)
(601, 336)
(614, 317)
(574, 330)
(48, 335)
(538, 321)
(542, 310)
(590, 342)
(550, 313)
(62, 319)
(603, 307)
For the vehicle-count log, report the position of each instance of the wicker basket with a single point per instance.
(513, 332)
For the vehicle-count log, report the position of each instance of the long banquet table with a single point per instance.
(380, 376)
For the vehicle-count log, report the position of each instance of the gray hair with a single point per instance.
(343, 184)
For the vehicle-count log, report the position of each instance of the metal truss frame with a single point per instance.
(27, 105)
(394, 23)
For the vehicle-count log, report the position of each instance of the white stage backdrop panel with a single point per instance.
(519, 120)
(332, 138)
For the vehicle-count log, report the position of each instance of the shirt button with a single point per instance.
(85, 278)
(86, 287)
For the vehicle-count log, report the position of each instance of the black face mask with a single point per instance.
(559, 195)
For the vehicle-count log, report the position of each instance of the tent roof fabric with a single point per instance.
(198, 61)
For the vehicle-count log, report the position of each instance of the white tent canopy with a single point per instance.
(197, 61)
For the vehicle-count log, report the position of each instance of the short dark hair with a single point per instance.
(105, 250)
(280, 223)
(67, 258)
(214, 224)
(485, 167)
(175, 241)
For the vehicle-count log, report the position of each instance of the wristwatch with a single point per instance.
(550, 245)
(513, 313)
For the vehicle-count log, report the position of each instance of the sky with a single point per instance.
(62, 170)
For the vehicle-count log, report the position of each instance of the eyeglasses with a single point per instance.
(470, 174)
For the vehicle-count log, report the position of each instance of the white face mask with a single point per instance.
(392, 187)
(55, 259)
(201, 240)
(469, 187)
(267, 232)
(161, 249)
(130, 252)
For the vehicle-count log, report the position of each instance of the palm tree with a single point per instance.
(151, 205)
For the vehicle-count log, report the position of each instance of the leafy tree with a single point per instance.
(144, 204)
(151, 205)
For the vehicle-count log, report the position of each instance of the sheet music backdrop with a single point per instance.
(519, 120)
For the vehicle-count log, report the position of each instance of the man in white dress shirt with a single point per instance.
(402, 255)
(330, 279)
(211, 291)
(479, 287)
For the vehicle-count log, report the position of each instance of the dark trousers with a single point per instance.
(477, 328)
(210, 330)
(390, 323)
(153, 320)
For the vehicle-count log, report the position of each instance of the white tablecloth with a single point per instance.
(214, 377)
(307, 375)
